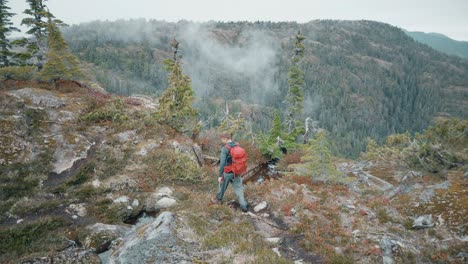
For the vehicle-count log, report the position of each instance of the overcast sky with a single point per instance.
(449, 17)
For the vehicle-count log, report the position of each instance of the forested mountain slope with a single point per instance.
(363, 79)
(441, 43)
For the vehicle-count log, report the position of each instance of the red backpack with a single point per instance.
(239, 160)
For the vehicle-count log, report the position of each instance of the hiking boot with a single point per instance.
(245, 210)
(215, 201)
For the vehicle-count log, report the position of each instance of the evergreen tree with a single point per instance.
(296, 82)
(319, 158)
(38, 24)
(175, 104)
(276, 128)
(6, 28)
(61, 64)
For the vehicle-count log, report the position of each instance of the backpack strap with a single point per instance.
(228, 167)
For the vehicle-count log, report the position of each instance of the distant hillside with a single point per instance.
(442, 43)
(363, 79)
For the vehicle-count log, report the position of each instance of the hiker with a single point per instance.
(226, 174)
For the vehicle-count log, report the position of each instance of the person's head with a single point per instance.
(225, 137)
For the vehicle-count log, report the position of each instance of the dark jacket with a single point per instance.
(225, 159)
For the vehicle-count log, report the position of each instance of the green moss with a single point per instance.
(167, 166)
(266, 256)
(113, 111)
(88, 192)
(108, 212)
(37, 236)
(112, 161)
(240, 236)
(198, 224)
(23, 73)
(340, 259)
(23, 207)
(83, 175)
(408, 224)
(383, 216)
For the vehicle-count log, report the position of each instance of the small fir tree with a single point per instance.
(296, 83)
(61, 64)
(319, 159)
(276, 128)
(6, 28)
(175, 104)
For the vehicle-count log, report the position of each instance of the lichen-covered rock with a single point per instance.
(100, 236)
(120, 183)
(147, 147)
(160, 199)
(424, 221)
(76, 256)
(126, 136)
(70, 148)
(77, 209)
(39, 97)
(261, 206)
(155, 242)
(14, 144)
(69, 256)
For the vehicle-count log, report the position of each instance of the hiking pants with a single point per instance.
(238, 188)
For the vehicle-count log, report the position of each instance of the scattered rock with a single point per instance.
(122, 199)
(120, 183)
(160, 199)
(356, 233)
(126, 136)
(165, 202)
(155, 241)
(293, 211)
(135, 203)
(261, 206)
(424, 221)
(273, 240)
(77, 209)
(96, 183)
(387, 247)
(147, 148)
(276, 250)
(462, 256)
(163, 192)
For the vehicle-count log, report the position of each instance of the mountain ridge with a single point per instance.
(363, 78)
(441, 43)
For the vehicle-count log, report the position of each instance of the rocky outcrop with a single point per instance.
(154, 242)
(100, 236)
(39, 97)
